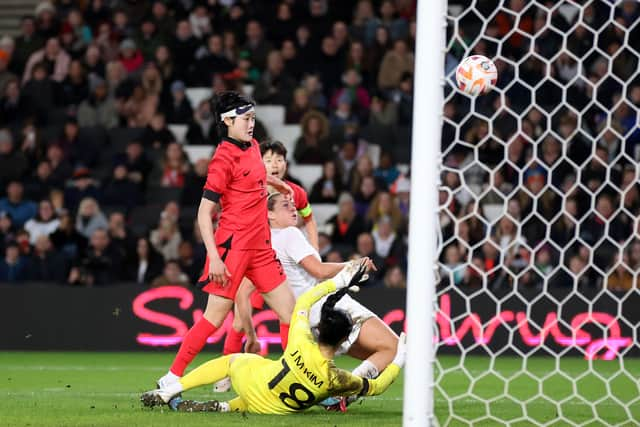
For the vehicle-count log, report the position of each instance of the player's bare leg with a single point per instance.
(376, 346)
(282, 301)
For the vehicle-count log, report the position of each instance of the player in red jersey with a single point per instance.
(274, 156)
(237, 181)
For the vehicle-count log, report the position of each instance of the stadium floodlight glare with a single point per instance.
(425, 155)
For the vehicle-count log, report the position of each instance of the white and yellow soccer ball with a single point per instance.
(476, 75)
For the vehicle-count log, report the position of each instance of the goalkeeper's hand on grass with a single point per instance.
(401, 352)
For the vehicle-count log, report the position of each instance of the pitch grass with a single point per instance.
(102, 389)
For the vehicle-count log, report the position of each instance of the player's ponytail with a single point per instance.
(223, 103)
(335, 324)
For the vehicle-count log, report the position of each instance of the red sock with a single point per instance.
(233, 342)
(284, 334)
(192, 343)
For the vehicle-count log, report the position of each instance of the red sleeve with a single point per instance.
(219, 175)
(301, 201)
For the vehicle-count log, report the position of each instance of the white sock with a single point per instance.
(366, 370)
(170, 377)
(173, 388)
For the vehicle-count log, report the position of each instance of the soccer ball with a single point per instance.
(476, 75)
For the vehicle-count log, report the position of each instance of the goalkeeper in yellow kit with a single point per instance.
(302, 377)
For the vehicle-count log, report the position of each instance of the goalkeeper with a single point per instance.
(302, 377)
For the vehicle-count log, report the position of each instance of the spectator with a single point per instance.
(211, 62)
(13, 268)
(188, 263)
(5, 75)
(98, 109)
(100, 266)
(115, 75)
(256, 45)
(120, 190)
(387, 241)
(13, 106)
(312, 147)
(75, 87)
(67, 240)
(108, 43)
(299, 106)
(183, 47)
(386, 171)
(44, 223)
(90, 218)
(330, 65)
(354, 92)
(148, 38)
(292, 61)
(13, 163)
(340, 33)
(174, 166)
(395, 278)
(358, 60)
(76, 35)
(395, 63)
(55, 60)
(139, 109)
(365, 195)
(275, 85)
(327, 188)
(46, 265)
(93, 63)
(194, 182)
(398, 27)
(283, 25)
(384, 205)
(145, 264)
(347, 224)
(40, 184)
(121, 239)
(7, 231)
(363, 19)
(20, 210)
(403, 98)
(82, 185)
(166, 238)
(25, 44)
(171, 276)
(454, 269)
(130, 56)
(377, 51)
(200, 21)
(346, 159)
(42, 93)
(122, 29)
(157, 135)
(163, 20)
(137, 163)
(61, 169)
(312, 84)
(79, 152)
(178, 109)
(366, 247)
(201, 129)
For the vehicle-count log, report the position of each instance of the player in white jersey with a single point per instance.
(371, 340)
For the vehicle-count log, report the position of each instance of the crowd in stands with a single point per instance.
(564, 176)
(95, 189)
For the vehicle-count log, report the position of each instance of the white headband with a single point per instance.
(238, 111)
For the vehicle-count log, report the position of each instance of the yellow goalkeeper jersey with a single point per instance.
(302, 377)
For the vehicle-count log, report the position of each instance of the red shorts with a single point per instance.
(261, 266)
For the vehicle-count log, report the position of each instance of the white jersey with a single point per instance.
(292, 247)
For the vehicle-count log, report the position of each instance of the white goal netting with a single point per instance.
(538, 303)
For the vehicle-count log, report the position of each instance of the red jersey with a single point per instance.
(237, 180)
(301, 201)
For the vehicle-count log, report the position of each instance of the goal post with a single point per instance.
(425, 154)
(535, 318)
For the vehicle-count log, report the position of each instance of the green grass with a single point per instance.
(102, 389)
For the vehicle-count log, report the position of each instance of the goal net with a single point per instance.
(538, 305)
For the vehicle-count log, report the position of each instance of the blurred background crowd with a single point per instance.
(540, 180)
(96, 189)
(540, 185)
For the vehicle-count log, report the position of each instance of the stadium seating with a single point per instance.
(180, 132)
(197, 95)
(307, 174)
(196, 152)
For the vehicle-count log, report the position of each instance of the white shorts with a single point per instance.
(358, 312)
